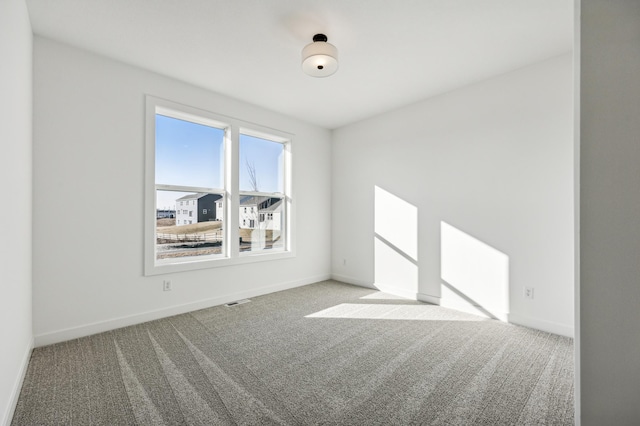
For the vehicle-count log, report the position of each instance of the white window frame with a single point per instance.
(287, 205)
(231, 213)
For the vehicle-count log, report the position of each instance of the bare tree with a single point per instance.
(253, 178)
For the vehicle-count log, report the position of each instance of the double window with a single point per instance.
(232, 171)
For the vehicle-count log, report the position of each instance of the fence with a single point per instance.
(189, 238)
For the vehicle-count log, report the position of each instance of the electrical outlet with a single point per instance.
(344, 262)
(166, 285)
(528, 293)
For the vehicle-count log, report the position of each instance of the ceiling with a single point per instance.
(392, 53)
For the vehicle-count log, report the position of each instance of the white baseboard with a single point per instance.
(17, 387)
(114, 323)
(397, 292)
(465, 307)
(538, 324)
(380, 287)
(351, 280)
(428, 299)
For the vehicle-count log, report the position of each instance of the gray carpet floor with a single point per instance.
(327, 353)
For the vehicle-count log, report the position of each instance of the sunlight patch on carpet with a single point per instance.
(393, 312)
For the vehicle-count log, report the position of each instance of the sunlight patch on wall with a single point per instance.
(394, 273)
(396, 221)
(395, 244)
(393, 312)
(473, 274)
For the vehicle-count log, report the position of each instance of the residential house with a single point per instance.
(255, 209)
(194, 208)
(165, 214)
(271, 216)
(256, 212)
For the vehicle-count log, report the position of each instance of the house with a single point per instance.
(491, 154)
(254, 211)
(194, 208)
(271, 216)
(165, 214)
(219, 206)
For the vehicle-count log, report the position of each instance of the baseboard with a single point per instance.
(114, 323)
(351, 280)
(17, 387)
(538, 324)
(468, 308)
(397, 292)
(367, 284)
(542, 325)
(428, 298)
(387, 289)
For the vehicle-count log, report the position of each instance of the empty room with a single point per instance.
(340, 212)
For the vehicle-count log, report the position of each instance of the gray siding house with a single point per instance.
(194, 208)
(165, 214)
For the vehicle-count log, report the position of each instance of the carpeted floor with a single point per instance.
(327, 353)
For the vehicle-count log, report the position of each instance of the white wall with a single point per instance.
(489, 167)
(15, 174)
(610, 213)
(89, 159)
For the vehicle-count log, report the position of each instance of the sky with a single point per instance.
(190, 154)
(267, 157)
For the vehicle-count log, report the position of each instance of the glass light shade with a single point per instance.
(320, 59)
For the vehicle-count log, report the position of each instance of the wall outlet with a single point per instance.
(166, 285)
(528, 293)
(344, 262)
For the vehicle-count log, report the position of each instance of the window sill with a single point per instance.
(207, 263)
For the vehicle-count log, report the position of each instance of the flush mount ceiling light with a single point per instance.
(320, 59)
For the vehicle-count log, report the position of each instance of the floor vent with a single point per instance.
(237, 302)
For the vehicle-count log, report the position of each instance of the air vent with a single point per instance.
(237, 302)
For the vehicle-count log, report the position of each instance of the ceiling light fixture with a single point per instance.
(320, 59)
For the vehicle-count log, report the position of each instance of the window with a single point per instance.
(262, 184)
(188, 165)
(227, 165)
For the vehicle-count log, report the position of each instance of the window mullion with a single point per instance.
(288, 196)
(232, 185)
